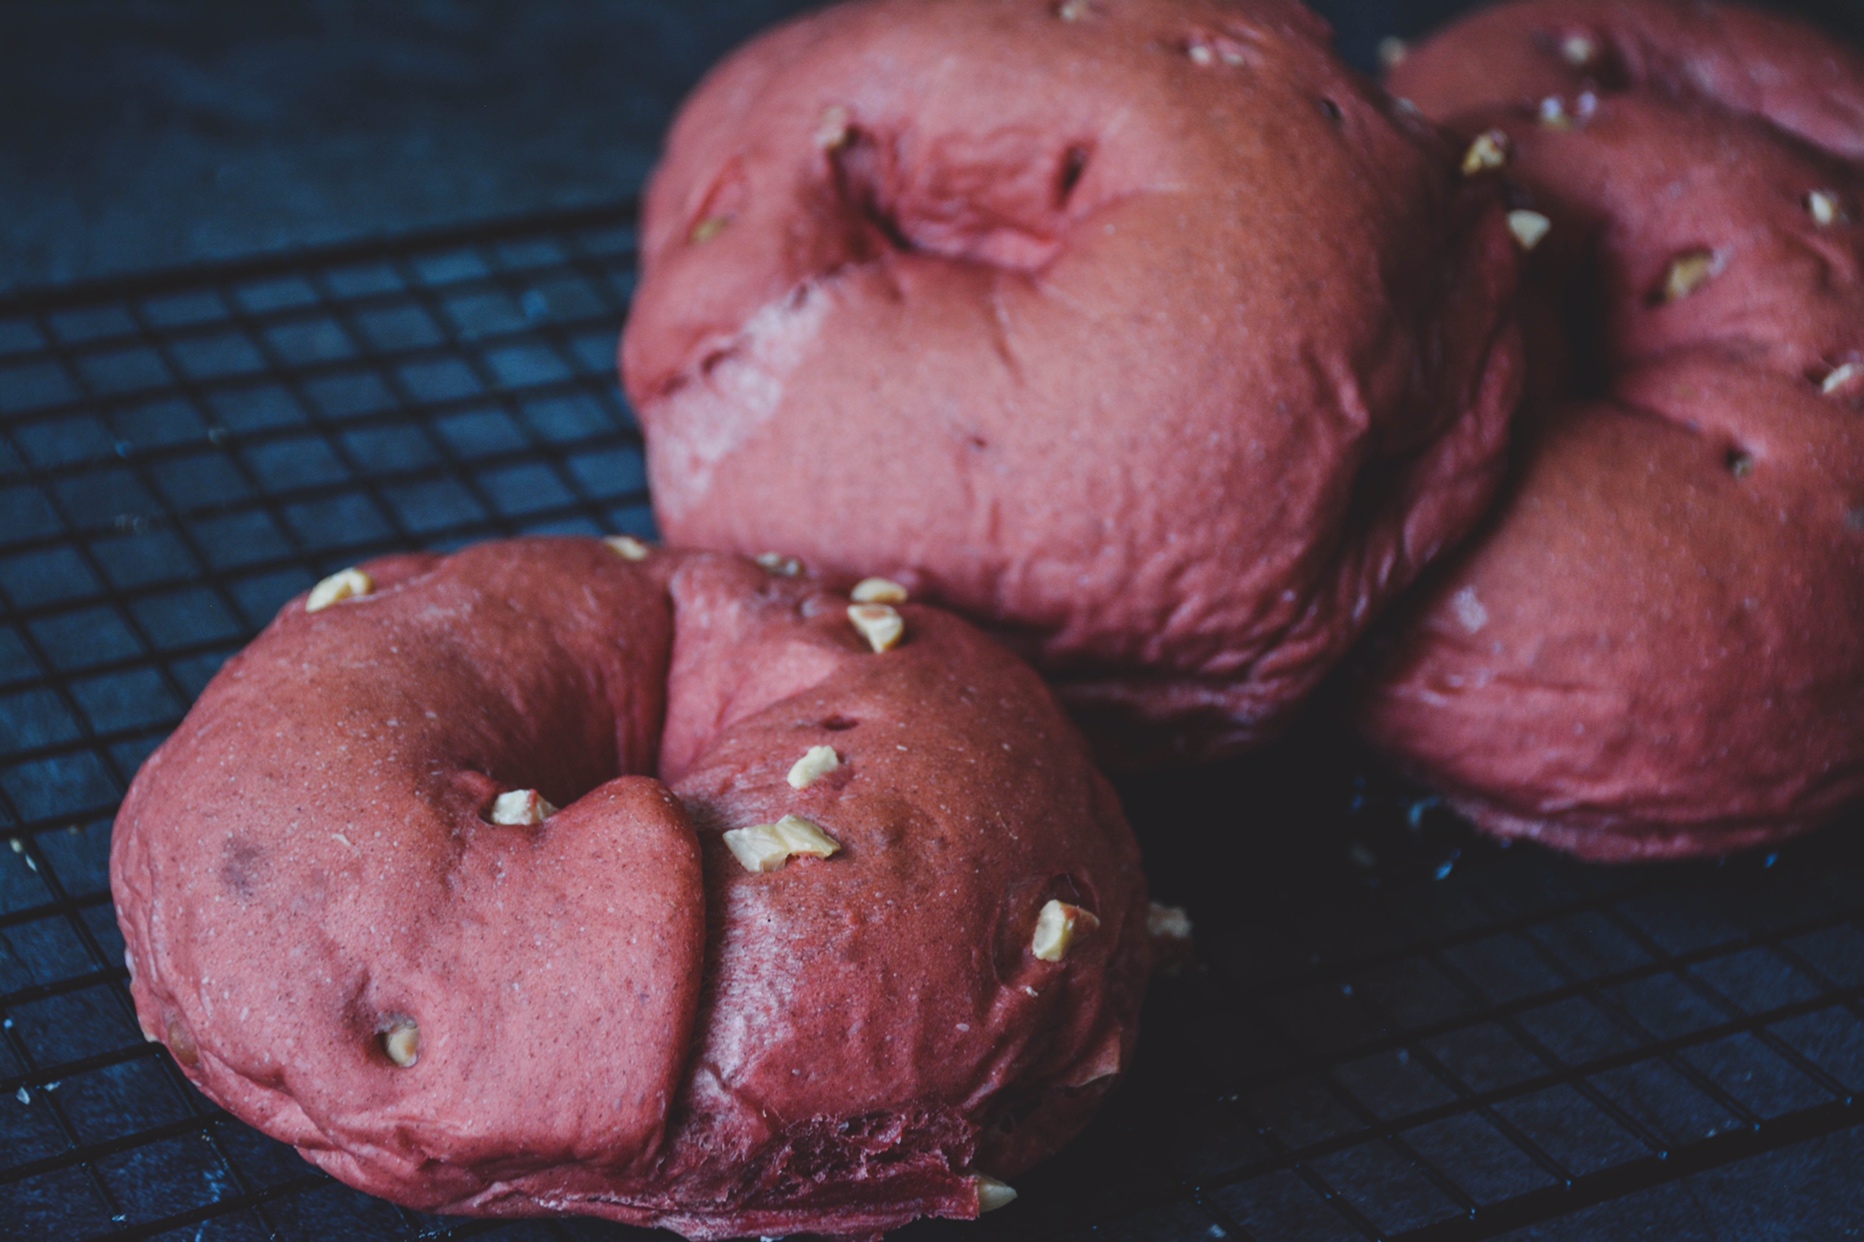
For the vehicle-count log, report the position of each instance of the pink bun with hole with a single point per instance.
(1144, 332)
(358, 919)
(1656, 650)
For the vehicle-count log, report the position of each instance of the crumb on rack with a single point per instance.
(1165, 922)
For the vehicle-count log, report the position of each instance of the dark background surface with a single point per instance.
(138, 135)
(1338, 934)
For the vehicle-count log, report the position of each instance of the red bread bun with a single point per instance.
(343, 937)
(1657, 650)
(1146, 333)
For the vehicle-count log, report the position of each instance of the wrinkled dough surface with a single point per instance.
(1657, 648)
(614, 1016)
(1152, 337)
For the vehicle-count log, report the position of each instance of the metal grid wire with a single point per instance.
(1392, 1030)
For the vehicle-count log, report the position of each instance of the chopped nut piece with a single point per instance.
(1841, 377)
(991, 1193)
(401, 1040)
(521, 806)
(1392, 51)
(1200, 54)
(878, 591)
(342, 585)
(1823, 204)
(804, 837)
(815, 764)
(779, 564)
(1528, 228)
(1687, 273)
(1488, 151)
(1553, 113)
(757, 848)
(1057, 926)
(627, 547)
(1072, 10)
(880, 624)
(1578, 50)
(707, 229)
(765, 847)
(1167, 922)
(831, 131)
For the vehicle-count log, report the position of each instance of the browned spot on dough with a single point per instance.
(243, 868)
(181, 1043)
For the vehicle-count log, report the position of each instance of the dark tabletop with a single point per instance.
(149, 135)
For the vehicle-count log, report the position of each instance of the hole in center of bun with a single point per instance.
(1004, 197)
(1073, 164)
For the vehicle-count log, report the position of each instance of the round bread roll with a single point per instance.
(1657, 650)
(874, 935)
(1144, 332)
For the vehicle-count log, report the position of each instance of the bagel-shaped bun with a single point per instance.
(1657, 650)
(356, 917)
(1142, 331)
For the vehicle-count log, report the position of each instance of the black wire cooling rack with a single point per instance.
(1391, 1030)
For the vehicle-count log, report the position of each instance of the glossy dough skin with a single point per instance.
(1657, 650)
(615, 1017)
(1143, 331)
